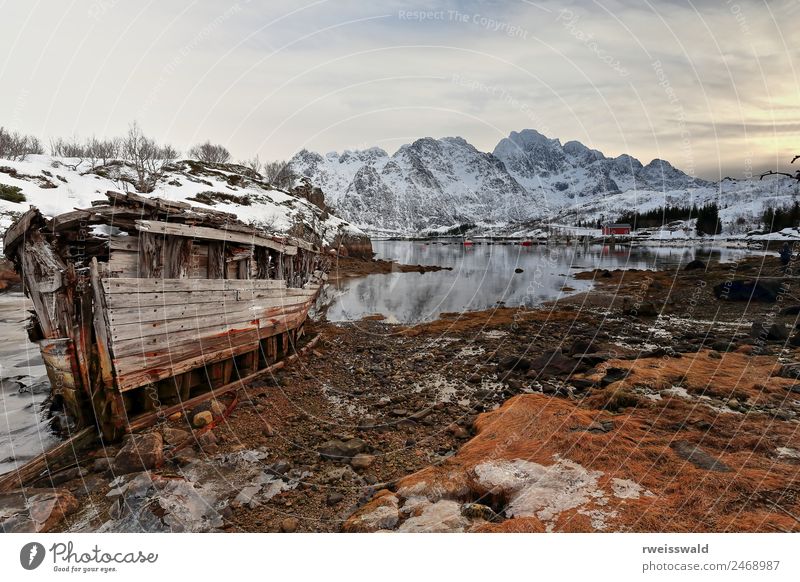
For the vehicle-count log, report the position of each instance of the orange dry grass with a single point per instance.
(733, 375)
(686, 498)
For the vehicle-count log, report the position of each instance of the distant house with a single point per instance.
(616, 229)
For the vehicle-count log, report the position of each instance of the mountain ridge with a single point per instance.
(433, 184)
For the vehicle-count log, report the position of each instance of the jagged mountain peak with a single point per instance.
(432, 183)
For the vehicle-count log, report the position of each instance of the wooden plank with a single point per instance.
(220, 234)
(136, 371)
(154, 203)
(219, 298)
(133, 285)
(124, 263)
(187, 405)
(202, 313)
(123, 243)
(173, 341)
(200, 325)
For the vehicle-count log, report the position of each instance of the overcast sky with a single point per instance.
(709, 85)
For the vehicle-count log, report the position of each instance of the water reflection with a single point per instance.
(484, 276)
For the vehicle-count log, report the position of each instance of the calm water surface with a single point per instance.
(484, 276)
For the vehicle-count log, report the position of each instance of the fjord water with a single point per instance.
(483, 276)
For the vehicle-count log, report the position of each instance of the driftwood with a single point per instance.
(67, 452)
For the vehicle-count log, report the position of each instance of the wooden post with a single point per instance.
(216, 260)
(151, 255)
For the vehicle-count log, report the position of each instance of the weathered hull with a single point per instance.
(167, 309)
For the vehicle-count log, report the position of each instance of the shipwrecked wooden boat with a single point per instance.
(142, 303)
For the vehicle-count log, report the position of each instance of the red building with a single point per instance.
(616, 229)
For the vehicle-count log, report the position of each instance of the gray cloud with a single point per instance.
(709, 85)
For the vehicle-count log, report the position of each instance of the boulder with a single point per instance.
(174, 436)
(763, 290)
(698, 457)
(140, 452)
(553, 363)
(341, 450)
(774, 332)
(517, 363)
(35, 510)
(694, 265)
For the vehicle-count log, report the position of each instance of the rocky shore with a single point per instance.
(655, 402)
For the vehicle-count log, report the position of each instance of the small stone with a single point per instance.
(207, 439)
(334, 498)
(289, 525)
(202, 419)
(102, 464)
(174, 436)
(268, 431)
(362, 461)
(714, 355)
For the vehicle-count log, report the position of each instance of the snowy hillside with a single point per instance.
(55, 185)
(741, 202)
(436, 184)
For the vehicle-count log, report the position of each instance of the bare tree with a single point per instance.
(253, 163)
(210, 153)
(278, 174)
(16, 146)
(796, 175)
(148, 158)
(106, 149)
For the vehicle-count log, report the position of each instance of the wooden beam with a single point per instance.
(221, 234)
(16, 232)
(101, 327)
(131, 285)
(42, 465)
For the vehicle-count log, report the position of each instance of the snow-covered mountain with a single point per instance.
(439, 183)
(565, 174)
(427, 184)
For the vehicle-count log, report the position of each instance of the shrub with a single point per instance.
(210, 153)
(15, 146)
(11, 193)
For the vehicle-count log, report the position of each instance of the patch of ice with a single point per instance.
(677, 391)
(627, 489)
(340, 402)
(788, 453)
(469, 351)
(494, 334)
(540, 490)
(441, 517)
